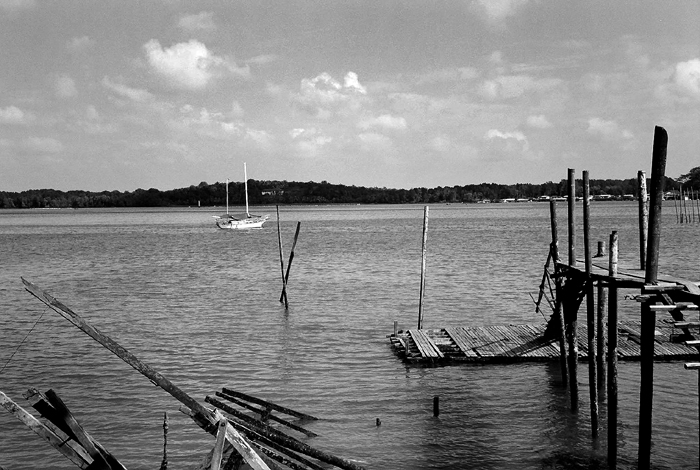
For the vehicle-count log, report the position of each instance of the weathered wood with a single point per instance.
(267, 404)
(558, 312)
(279, 242)
(643, 217)
(291, 258)
(571, 317)
(241, 445)
(423, 266)
(218, 451)
(425, 345)
(590, 308)
(72, 452)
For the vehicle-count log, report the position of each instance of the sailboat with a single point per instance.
(242, 221)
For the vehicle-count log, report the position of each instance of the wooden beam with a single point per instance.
(267, 404)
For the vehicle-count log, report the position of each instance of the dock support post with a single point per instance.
(646, 394)
(602, 309)
(612, 355)
(422, 268)
(436, 406)
(590, 308)
(164, 462)
(571, 333)
(643, 217)
(563, 360)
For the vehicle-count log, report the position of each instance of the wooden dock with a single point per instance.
(527, 343)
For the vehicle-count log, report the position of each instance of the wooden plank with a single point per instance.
(241, 445)
(460, 341)
(425, 345)
(218, 451)
(79, 457)
(468, 340)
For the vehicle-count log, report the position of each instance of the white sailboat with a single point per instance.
(242, 221)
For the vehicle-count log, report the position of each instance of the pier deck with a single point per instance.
(526, 343)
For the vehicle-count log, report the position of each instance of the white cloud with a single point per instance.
(607, 129)
(65, 86)
(687, 76)
(538, 122)
(78, 44)
(189, 65)
(509, 139)
(203, 21)
(134, 94)
(14, 115)
(351, 81)
(385, 121)
(513, 86)
(318, 94)
(263, 139)
(375, 141)
(495, 11)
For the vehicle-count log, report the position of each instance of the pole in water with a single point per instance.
(643, 218)
(554, 248)
(422, 269)
(279, 241)
(289, 263)
(612, 355)
(436, 406)
(164, 463)
(590, 307)
(601, 250)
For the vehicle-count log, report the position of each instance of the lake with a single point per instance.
(201, 305)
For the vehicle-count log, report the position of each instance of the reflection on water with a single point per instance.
(201, 306)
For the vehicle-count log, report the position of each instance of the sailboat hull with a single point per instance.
(241, 224)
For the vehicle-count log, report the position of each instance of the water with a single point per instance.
(201, 306)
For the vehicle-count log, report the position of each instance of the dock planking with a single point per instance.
(525, 343)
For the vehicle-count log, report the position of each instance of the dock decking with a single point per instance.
(526, 343)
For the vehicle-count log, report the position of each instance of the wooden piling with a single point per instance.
(643, 217)
(422, 269)
(558, 312)
(289, 263)
(436, 406)
(590, 307)
(279, 242)
(612, 354)
(572, 324)
(602, 309)
(696, 366)
(646, 394)
(164, 462)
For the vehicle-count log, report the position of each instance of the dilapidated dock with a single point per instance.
(528, 343)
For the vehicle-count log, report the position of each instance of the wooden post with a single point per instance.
(646, 394)
(590, 307)
(572, 326)
(602, 302)
(612, 355)
(279, 242)
(396, 328)
(422, 269)
(436, 406)
(164, 463)
(696, 366)
(289, 263)
(601, 249)
(563, 359)
(643, 217)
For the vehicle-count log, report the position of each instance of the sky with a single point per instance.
(119, 95)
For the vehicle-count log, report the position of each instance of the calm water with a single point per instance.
(201, 306)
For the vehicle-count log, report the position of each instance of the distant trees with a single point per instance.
(291, 192)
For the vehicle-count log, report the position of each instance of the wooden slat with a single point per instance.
(425, 345)
(462, 341)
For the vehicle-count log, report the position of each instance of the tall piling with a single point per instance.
(571, 325)
(422, 268)
(612, 354)
(646, 394)
(558, 312)
(643, 217)
(590, 307)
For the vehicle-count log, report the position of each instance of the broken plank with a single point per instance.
(267, 404)
(460, 341)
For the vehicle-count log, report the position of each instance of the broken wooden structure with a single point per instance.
(240, 437)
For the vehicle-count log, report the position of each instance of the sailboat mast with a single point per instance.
(226, 196)
(245, 176)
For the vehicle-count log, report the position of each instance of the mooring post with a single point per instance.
(602, 309)
(612, 354)
(696, 366)
(572, 325)
(643, 217)
(646, 393)
(164, 462)
(279, 242)
(436, 406)
(590, 307)
(422, 268)
(558, 312)
(289, 263)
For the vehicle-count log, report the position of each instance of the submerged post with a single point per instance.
(612, 355)
(646, 394)
(563, 360)
(164, 462)
(422, 269)
(590, 307)
(643, 217)
(284, 280)
(283, 295)
(572, 325)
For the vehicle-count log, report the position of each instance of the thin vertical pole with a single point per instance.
(612, 355)
(602, 302)
(563, 360)
(590, 307)
(643, 217)
(289, 263)
(245, 183)
(572, 326)
(646, 394)
(279, 242)
(675, 205)
(164, 462)
(422, 269)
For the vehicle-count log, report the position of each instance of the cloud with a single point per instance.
(322, 92)
(79, 44)
(385, 121)
(510, 141)
(513, 86)
(203, 21)
(607, 129)
(42, 145)
(374, 141)
(134, 94)
(687, 77)
(14, 115)
(351, 81)
(189, 65)
(309, 142)
(262, 59)
(496, 11)
(64, 86)
(538, 122)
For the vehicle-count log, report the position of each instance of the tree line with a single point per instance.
(290, 192)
